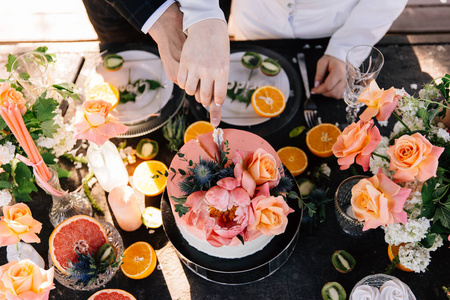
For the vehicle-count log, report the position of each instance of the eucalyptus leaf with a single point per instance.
(296, 131)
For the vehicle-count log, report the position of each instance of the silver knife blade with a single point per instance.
(302, 66)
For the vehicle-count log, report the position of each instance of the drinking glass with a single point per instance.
(363, 64)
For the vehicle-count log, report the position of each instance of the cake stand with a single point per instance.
(235, 271)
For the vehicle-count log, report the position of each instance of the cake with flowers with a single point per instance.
(227, 191)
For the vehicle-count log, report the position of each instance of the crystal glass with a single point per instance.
(343, 209)
(115, 240)
(377, 280)
(31, 70)
(363, 64)
(68, 205)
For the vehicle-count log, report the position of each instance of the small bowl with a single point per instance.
(377, 280)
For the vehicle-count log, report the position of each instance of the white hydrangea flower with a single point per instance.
(412, 231)
(438, 242)
(325, 169)
(377, 162)
(414, 257)
(62, 140)
(7, 153)
(5, 197)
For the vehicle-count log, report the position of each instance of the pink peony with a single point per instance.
(357, 141)
(96, 124)
(18, 224)
(8, 95)
(380, 103)
(379, 201)
(413, 156)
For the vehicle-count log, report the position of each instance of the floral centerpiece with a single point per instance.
(409, 194)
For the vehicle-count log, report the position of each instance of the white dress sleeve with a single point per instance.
(199, 10)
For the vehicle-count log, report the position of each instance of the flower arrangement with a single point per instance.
(409, 194)
(228, 198)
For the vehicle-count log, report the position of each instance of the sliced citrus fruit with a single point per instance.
(82, 234)
(104, 91)
(321, 138)
(268, 101)
(139, 260)
(149, 178)
(196, 129)
(393, 252)
(112, 294)
(294, 159)
(152, 217)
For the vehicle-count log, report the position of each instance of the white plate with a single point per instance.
(239, 114)
(139, 65)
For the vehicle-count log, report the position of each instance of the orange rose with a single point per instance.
(16, 224)
(24, 280)
(8, 95)
(263, 168)
(380, 103)
(414, 157)
(379, 201)
(357, 141)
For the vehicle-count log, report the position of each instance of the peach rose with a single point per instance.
(358, 140)
(8, 95)
(16, 224)
(270, 212)
(96, 124)
(379, 201)
(24, 280)
(380, 103)
(413, 156)
(263, 168)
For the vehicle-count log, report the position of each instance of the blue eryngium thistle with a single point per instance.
(202, 174)
(201, 177)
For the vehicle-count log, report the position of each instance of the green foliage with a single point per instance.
(173, 132)
(140, 86)
(296, 131)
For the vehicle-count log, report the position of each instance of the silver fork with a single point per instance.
(309, 107)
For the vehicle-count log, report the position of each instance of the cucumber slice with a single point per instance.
(113, 62)
(251, 60)
(333, 291)
(147, 149)
(270, 67)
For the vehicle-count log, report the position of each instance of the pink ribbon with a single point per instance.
(39, 179)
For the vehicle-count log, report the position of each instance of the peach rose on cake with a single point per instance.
(24, 280)
(356, 143)
(9, 95)
(379, 201)
(18, 224)
(413, 156)
(96, 124)
(380, 103)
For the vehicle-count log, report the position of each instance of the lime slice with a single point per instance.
(151, 217)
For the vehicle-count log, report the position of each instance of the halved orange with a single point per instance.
(147, 177)
(139, 260)
(112, 294)
(80, 233)
(104, 91)
(393, 252)
(294, 159)
(321, 138)
(196, 129)
(268, 101)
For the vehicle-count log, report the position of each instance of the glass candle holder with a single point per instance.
(343, 208)
(377, 280)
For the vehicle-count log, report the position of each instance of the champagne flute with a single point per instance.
(363, 64)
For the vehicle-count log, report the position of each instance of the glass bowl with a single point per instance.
(68, 281)
(377, 280)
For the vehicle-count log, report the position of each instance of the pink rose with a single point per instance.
(413, 156)
(270, 212)
(358, 140)
(380, 103)
(379, 201)
(96, 124)
(24, 280)
(16, 224)
(263, 168)
(8, 95)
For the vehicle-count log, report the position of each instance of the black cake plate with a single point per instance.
(235, 271)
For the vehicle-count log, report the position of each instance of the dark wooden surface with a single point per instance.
(309, 267)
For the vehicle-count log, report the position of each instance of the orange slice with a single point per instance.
(139, 260)
(294, 159)
(268, 101)
(393, 252)
(104, 91)
(112, 294)
(321, 138)
(81, 233)
(147, 177)
(196, 129)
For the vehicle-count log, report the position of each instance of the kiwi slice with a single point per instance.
(270, 67)
(113, 62)
(147, 149)
(251, 60)
(333, 291)
(343, 261)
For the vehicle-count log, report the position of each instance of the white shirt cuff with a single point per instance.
(155, 16)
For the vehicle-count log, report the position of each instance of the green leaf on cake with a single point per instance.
(181, 209)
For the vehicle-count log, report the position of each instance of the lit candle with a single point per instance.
(125, 207)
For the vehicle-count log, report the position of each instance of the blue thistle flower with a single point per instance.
(202, 174)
